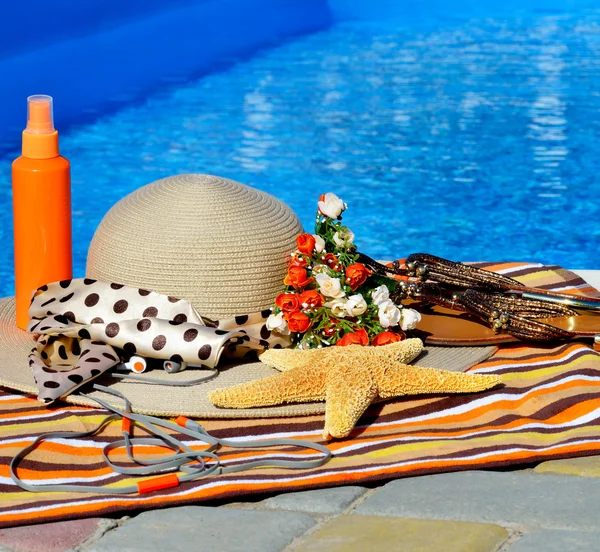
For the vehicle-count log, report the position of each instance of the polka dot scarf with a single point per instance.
(86, 327)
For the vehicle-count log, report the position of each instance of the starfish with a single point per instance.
(348, 379)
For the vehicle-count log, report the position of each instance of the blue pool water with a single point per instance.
(473, 138)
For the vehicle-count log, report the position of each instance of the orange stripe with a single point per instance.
(473, 414)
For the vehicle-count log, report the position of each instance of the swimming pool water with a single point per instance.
(473, 139)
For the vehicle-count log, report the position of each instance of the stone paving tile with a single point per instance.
(588, 466)
(318, 501)
(557, 541)
(51, 537)
(505, 498)
(373, 533)
(192, 528)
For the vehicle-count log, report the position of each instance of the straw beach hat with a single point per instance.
(217, 244)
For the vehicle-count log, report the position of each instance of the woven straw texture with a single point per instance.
(219, 244)
(191, 401)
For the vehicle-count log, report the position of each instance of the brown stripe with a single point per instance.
(525, 271)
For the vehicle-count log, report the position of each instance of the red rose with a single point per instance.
(359, 337)
(299, 261)
(288, 302)
(356, 275)
(312, 298)
(385, 338)
(331, 328)
(332, 262)
(298, 322)
(297, 277)
(305, 243)
(328, 331)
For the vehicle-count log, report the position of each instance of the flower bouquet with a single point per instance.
(332, 299)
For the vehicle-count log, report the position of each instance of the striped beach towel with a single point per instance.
(549, 408)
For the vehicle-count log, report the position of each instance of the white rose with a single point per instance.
(319, 243)
(331, 205)
(410, 318)
(276, 323)
(344, 239)
(338, 307)
(331, 287)
(317, 268)
(380, 294)
(356, 305)
(389, 314)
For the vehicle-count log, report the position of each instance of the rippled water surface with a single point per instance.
(476, 139)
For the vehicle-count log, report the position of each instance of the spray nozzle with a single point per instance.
(40, 115)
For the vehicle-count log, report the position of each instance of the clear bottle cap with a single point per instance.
(40, 115)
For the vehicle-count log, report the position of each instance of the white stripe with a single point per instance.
(272, 456)
(484, 401)
(39, 416)
(60, 480)
(79, 443)
(591, 416)
(566, 288)
(10, 397)
(288, 434)
(518, 268)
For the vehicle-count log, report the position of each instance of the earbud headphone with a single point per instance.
(191, 464)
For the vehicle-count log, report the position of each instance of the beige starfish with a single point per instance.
(349, 379)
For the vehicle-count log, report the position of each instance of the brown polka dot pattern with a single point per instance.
(92, 300)
(159, 342)
(204, 352)
(70, 316)
(179, 319)
(95, 323)
(144, 324)
(120, 306)
(52, 383)
(112, 329)
(130, 348)
(265, 332)
(190, 335)
(150, 312)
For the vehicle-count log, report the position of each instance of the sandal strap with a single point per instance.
(493, 298)
(503, 313)
(430, 267)
(423, 267)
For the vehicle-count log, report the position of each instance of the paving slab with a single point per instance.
(202, 527)
(588, 466)
(319, 501)
(52, 537)
(505, 498)
(557, 541)
(350, 533)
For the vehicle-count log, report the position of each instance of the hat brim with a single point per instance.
(192, 401)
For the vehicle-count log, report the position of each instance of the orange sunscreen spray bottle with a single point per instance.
(41, 186)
